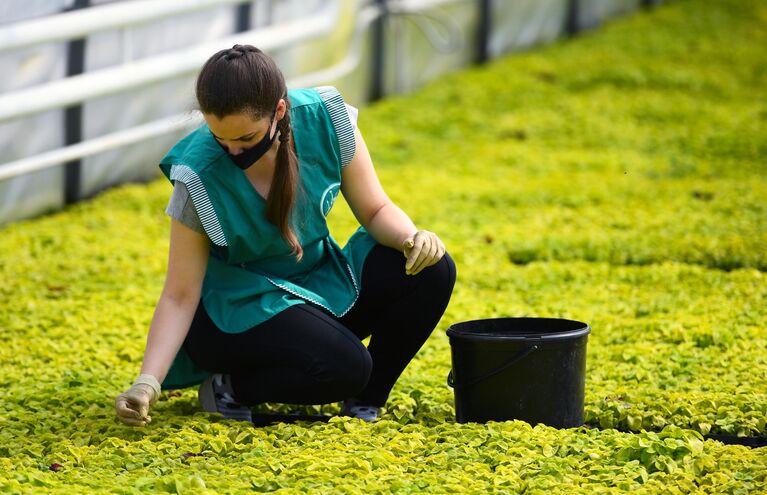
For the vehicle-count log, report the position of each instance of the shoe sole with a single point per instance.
(207, 399)
(206, 396)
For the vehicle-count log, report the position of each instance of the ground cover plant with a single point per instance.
(617, 178)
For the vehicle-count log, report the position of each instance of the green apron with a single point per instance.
(251, 274)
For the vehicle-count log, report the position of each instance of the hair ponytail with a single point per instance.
(282, 193)
(245, 79)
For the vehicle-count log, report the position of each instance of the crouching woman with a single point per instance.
(260, 303)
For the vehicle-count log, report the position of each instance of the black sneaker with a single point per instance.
(216, 395)
(355, 409)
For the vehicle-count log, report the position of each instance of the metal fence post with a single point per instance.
(73, 115)
(572, 20)
(243, 17)
(483, 31)
(377, 59)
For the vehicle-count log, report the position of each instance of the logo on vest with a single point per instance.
(329, 198)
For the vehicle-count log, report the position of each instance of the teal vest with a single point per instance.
(251, 274)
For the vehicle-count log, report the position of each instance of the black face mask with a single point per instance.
(251, 155)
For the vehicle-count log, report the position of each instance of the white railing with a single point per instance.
(97, 145)
(83, 87)
(80, 23)
(80, 88)
(179, 122)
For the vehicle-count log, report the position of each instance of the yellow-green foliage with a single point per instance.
(617, 179)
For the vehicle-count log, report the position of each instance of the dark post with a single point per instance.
(243, 17)
(483, 31)
(377, 69)
(572, 22)
(73, 115)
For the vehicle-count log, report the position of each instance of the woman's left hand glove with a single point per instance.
(132, 406)
(423, 249)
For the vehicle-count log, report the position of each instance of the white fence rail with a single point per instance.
(80, 23)
(83, 87)
(80, 88)
(178, 122)
(98, 145)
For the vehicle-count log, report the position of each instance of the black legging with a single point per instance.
(305, 355)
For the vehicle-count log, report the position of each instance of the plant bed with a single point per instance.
(616, 178)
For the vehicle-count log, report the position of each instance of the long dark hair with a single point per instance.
(245, 79)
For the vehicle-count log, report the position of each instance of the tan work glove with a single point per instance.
(132, 406)
(422, 249)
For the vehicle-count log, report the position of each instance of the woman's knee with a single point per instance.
(441, 275)
(342, 362)
(449, 267)
(345, 373)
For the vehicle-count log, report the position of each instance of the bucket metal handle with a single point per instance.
(521, 355)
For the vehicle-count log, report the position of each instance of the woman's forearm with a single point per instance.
(390, 226)
(167, 332)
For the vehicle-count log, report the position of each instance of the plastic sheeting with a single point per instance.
(122, 111)
(40, 191)
(423, 46)
(418, 47)
(591, 13)
(520, 24)
(20, 10)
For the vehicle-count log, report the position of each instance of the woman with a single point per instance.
(260, 304)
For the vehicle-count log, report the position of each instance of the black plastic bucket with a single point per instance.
(531, 369)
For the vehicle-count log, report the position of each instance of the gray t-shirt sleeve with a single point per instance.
(182, 208)
(353, 114)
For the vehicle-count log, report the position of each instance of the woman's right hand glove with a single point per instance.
(422, 249)
(132, 406)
